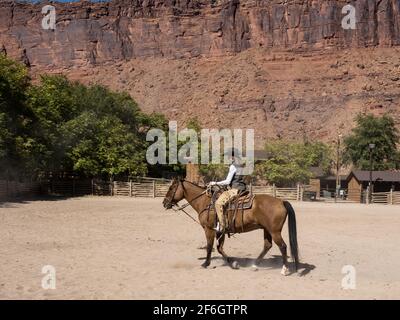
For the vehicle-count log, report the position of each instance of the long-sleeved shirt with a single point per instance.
(228, 180)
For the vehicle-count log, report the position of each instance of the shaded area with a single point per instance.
(273, 262)
(14, 202)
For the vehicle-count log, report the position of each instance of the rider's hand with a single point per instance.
(212, 183)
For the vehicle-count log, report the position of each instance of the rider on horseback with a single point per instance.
(235, 183)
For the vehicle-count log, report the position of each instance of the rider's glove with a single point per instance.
(212, 183)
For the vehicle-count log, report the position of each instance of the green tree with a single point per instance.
(209, 171)
(289, 163)
(54, 101)
(108, 137)
(62, 126)
(103, 146)
(380, 131)
(15, 117)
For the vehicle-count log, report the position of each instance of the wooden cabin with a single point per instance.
(382, 181)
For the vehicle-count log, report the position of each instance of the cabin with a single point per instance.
(325, 184)
(382, 181)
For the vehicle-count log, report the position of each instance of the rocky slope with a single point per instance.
(285, 68)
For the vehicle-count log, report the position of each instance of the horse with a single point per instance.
(267, 213)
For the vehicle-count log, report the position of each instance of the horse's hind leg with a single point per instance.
(277, 237)
(220, 248)
(267, 246)
(210, 235)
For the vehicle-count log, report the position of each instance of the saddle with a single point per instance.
(234, 212)
(243, 201)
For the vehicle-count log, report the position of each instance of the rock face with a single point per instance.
(95, 33)
(284, 68)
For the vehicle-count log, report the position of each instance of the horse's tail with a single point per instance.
(294, 250)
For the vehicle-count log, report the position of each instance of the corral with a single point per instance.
(128, 248)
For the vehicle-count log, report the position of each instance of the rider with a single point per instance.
(236, 184)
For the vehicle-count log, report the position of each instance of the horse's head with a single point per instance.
(174, 195)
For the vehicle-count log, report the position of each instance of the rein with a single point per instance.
(182, 209)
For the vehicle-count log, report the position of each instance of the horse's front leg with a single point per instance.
(210, 235)
(220, 247)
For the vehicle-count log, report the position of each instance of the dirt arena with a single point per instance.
(127, 248)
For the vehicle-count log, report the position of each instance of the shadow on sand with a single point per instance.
(14, 202)
(272, 262)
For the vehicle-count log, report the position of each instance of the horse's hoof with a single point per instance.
(205, 265)
(285, 271)
(254, 267)
(235, 265)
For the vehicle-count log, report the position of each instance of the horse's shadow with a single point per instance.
(272, 262)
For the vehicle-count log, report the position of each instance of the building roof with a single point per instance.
(317, 172)
(387, 176)
(333, 178)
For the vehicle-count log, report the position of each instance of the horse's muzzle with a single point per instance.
(167, 204)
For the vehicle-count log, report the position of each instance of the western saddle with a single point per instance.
(234, 211)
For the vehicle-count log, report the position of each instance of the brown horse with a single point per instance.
(267, 213)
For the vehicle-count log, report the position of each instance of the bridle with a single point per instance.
(177, 208)
(170, 200)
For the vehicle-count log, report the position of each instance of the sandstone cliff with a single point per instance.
(125, 29)
(285, 68)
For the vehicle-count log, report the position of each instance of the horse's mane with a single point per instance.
(195, 184)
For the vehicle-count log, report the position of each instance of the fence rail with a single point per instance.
(391, 197)
(282, 193)
(151, 188)
(9, 189)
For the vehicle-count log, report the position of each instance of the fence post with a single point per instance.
(92, 187)
(301, 192)
(274, 190)
(130, 187)
(391, 196)
(298, 192)
(368, 195)
(154, 188)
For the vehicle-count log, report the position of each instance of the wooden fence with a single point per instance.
(282, 193)
(11, 189)
(140, 187)
(391, 197)
(148, 187)
(143, 187)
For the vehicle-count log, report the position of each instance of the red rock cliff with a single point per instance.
(124, 29)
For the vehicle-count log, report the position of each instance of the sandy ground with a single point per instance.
(123, 248)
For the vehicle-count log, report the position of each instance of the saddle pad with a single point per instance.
(243, 202)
